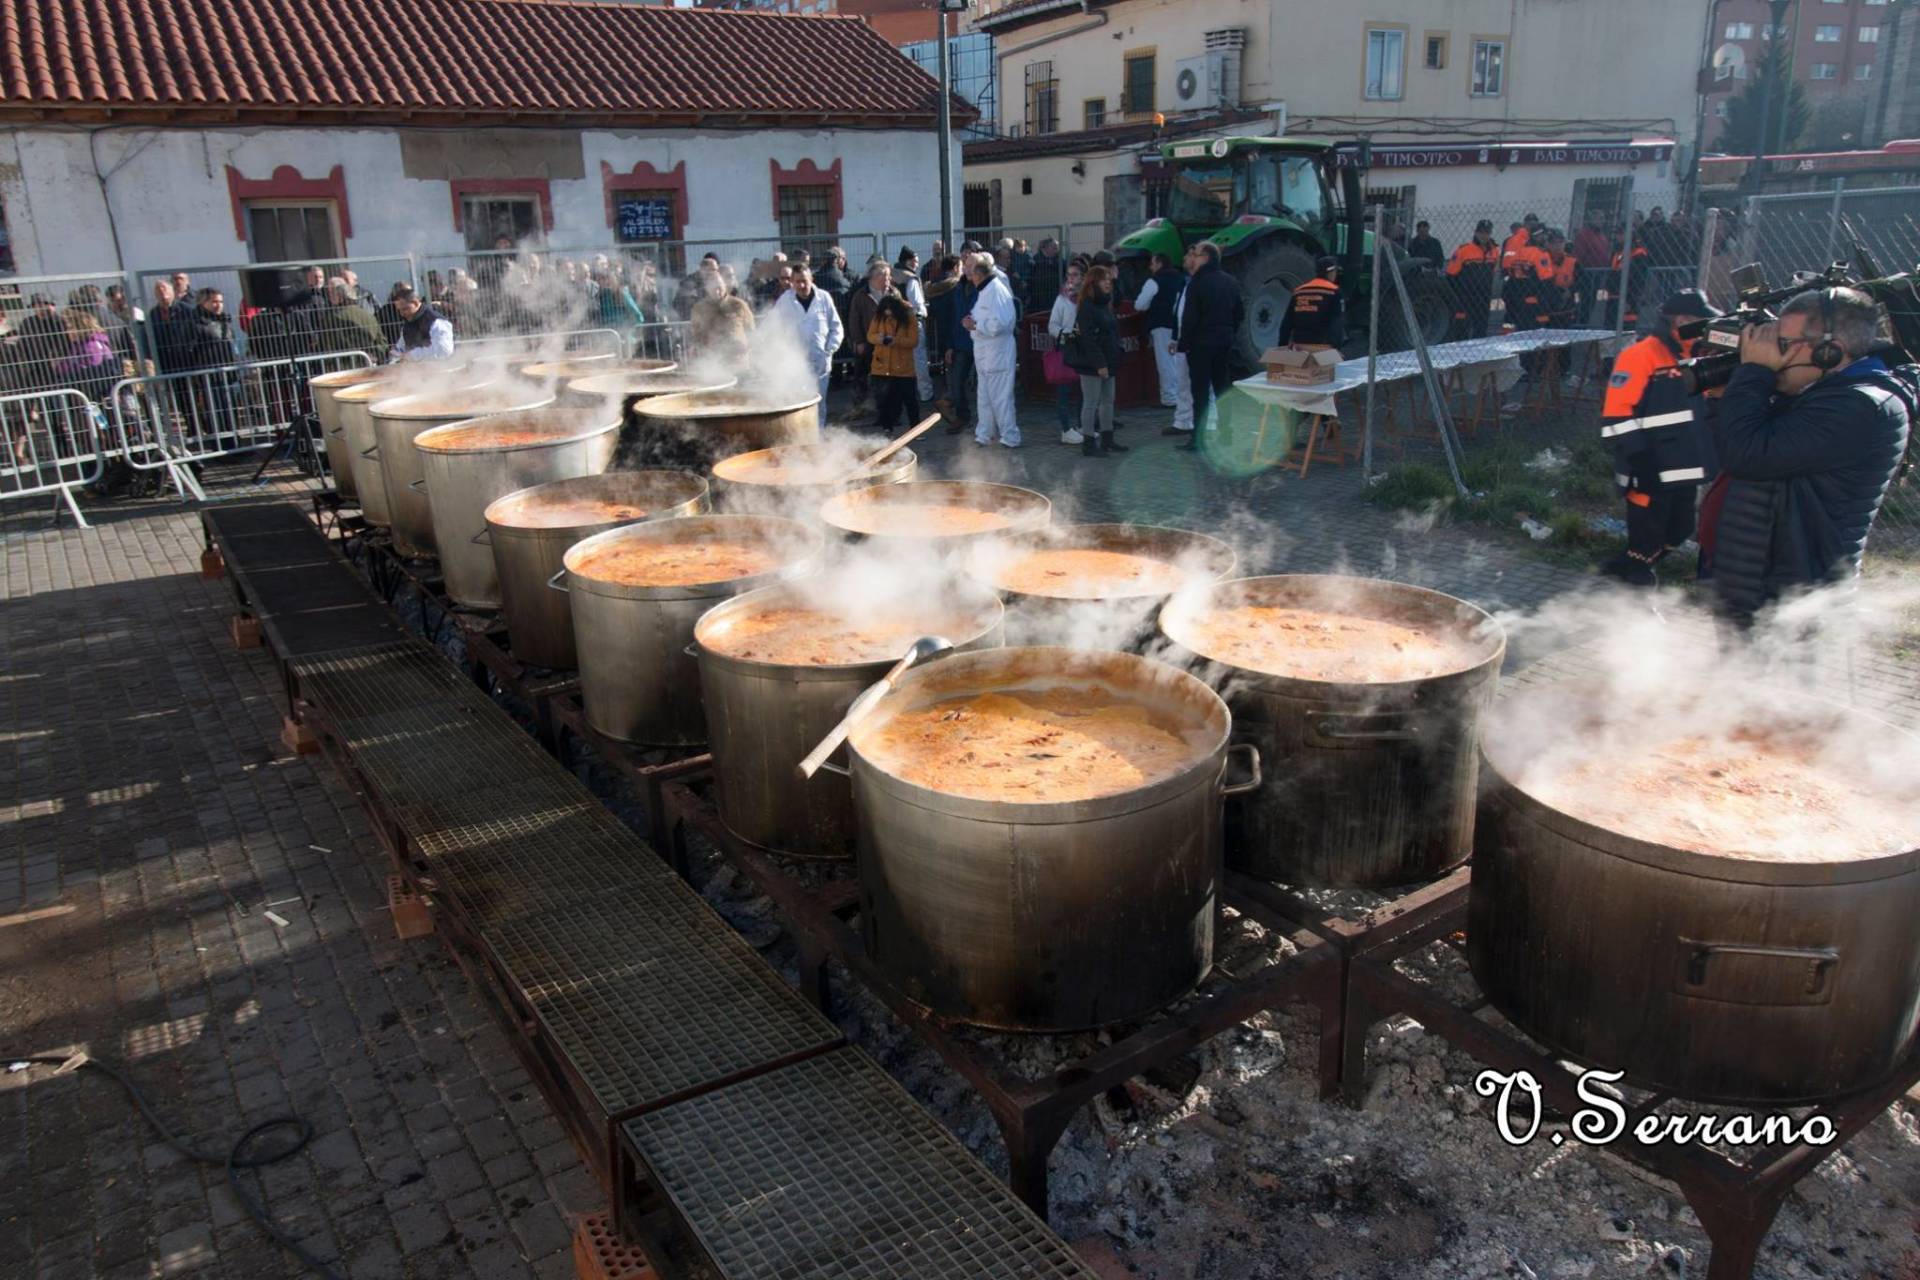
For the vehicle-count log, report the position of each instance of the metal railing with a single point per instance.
(169, 420)
(56, 442)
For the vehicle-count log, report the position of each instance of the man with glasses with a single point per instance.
(1812, 429)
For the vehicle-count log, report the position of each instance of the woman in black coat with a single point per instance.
(1094, 353)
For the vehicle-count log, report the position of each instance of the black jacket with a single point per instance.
(209, 340)
(1213, 311)
(1806, 476)
(1095, 343)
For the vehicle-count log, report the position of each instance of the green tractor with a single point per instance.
(1270, 204)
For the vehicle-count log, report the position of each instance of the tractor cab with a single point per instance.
(1273, 205)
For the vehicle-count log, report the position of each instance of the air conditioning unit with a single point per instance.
(1198, 82)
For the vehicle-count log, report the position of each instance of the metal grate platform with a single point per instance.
(296, 636)
(301, 588)
(526, 864)
(828, 1168)
(247, 519)
(651, 997)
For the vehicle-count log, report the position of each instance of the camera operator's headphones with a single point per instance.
(1827, 355)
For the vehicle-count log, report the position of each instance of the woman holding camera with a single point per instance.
(892, 335)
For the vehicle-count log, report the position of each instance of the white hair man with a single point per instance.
(993, 322)
(811, 315)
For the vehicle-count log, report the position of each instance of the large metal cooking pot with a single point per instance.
(904, 512)
(1038, 916)
(352, 404)
(787, 480)
(469, 464)
(339, 455)
(531, 529)
(1078, 614)
(1368, 784)
(764, 716)
(1711, 976)
(639, 681)
(561, 372)
(396, 424)
(626, 383)
(705, 425)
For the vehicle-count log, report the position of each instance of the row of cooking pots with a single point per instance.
(1669, 962)
(1666, 961)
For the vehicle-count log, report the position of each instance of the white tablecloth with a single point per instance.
(1500, 354)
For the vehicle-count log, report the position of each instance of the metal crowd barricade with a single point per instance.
(668, 340)
(56, 441)
(169, 421)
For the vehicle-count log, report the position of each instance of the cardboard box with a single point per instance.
(1300, 366)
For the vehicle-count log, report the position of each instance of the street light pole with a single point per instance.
(946, 122)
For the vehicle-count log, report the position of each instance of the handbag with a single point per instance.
(1054, 365)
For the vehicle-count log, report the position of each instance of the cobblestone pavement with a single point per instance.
(156, 818)
(145, 796)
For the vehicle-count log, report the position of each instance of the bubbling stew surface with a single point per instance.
(1324, 644)
(666, 563)
(1033, 746)
(799, 636)
(1749, 794)
(576, 511)
(1085, 573)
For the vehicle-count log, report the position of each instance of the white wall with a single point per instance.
(172, 207)
(1566, 59)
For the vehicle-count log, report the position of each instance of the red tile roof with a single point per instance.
(450, 61)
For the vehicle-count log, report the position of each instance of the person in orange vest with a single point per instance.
(1629, 293)
(1560, 270)
(1519, 236)
(1316, 315)
(1526, 268)
(1472, 268)
(1660, 452)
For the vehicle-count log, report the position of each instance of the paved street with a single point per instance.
(156, 819)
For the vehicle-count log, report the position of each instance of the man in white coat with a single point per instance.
(814, 321)
(993, 320)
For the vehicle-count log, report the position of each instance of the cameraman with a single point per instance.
(1811, 430)
(1659, 450)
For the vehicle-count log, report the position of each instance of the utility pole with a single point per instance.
(1775, 60)
(946, 121)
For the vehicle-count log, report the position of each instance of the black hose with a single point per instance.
(237, 1157)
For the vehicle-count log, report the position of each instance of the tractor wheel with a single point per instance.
(1268, 276)
(1432, 311)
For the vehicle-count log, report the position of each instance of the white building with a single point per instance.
(436, 126)
(1464, 102)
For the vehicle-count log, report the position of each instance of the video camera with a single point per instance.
(1755, 305)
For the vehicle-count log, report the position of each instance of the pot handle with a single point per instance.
(553, 583)
(1254, 781)
(840, 769)
(924, 647)
(370, 451)
(691, 651)
(1756, 973)
(484, 538)
(418, 486)
(1364, 728)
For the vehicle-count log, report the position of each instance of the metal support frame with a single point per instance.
(1736, 1201)
(1032, 1114)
